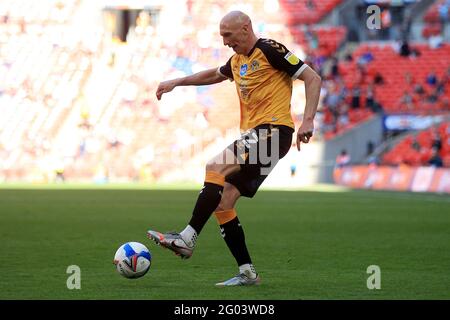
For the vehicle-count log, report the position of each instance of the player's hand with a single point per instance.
(164, 87)
(305, 132)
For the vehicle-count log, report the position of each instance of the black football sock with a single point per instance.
(207, 201)
(234, 237)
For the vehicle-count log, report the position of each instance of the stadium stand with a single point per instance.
(403, 76)
(319, 41)
(41, 77)
(417, 149)
(84, 105)
(307, 11)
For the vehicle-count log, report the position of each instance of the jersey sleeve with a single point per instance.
(225, 70)
(281, 58)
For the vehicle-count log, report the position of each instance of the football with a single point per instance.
(132, 260)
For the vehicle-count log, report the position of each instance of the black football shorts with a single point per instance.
(258, 151)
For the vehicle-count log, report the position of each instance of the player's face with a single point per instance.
(233, 37)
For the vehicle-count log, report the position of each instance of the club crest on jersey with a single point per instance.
(292, 58)
(255, 65)
(243, 70)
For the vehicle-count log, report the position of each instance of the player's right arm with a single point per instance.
(201, 78)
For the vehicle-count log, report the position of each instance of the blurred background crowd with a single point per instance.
(78, 80)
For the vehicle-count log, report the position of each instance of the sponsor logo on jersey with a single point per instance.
(292, 58)
(243, 70)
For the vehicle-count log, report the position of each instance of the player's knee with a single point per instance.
(231, 191)
(229, 198)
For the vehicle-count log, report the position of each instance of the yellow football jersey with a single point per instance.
(264, 83)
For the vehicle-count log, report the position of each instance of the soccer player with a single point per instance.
(263, 71)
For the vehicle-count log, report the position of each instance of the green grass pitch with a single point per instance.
(305, 244)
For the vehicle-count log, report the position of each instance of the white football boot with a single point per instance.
(172, 241)
(241, 279)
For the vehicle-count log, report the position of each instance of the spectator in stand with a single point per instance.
(311, 5)
(435, 41)
(432, 78)
(370, 97)
(377, 108)
(443, 13)
(5, 18)
(113, 142)
(348, 57)
(343, 119)
(442, 84)
(371, 102)
(365, 58)
(436, 87)
(343, 159)
(405, 50)
(361, 74)
(315, 61)
(415, 53)
(378, 79)
(319, 63)
(293, 169)
(356, 97)
(409, 79)
(418, 89)
(370, 148)
(433, 96)
(407, 101)
(372, 158)
(81, 148)
(22, 25)
(59, 174)
(332, 98)
(437, 141)
(334, 68)
(312, 39)
(435, 160)
(415, 144)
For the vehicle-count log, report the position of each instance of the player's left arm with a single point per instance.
(313, 83)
